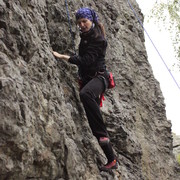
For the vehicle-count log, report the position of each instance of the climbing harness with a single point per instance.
(152, 43)
(112, 83)
(70, 27)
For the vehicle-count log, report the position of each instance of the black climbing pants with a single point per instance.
(90, 97)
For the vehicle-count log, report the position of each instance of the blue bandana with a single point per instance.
(87, 13)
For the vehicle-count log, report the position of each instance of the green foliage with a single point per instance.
(167, 15)
(178, 158)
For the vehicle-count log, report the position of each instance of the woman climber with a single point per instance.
(93, 75)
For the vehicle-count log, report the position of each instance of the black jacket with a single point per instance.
(92, 50)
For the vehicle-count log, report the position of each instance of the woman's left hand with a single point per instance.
(61, 56)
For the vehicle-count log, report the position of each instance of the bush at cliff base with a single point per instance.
(178, 158)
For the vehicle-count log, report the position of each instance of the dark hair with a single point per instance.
(101, 29)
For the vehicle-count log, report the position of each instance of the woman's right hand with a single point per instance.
(56, 54)
(61, 56)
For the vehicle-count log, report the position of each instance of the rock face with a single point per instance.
(44, 132)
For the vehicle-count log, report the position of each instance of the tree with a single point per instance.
(167, 15)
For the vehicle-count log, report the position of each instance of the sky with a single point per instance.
(162, 41)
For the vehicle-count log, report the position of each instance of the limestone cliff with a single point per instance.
(44, 132)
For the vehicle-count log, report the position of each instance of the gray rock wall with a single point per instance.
(44, 132)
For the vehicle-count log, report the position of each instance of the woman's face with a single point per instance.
(84, 24)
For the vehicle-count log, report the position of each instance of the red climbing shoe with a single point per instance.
(109, 166)
(103, 140)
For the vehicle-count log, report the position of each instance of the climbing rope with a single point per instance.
(70, 27)
(153, 43)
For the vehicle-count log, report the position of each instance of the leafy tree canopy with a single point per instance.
(167, 15)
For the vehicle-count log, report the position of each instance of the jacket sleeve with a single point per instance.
(94, 49)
